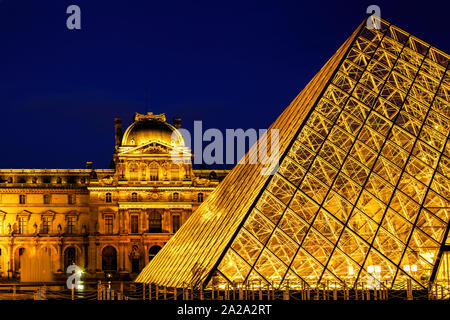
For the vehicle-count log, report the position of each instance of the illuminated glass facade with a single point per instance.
(362, 191)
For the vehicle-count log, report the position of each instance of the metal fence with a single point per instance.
(238, 291)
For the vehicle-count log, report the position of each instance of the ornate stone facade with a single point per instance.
(103, 220)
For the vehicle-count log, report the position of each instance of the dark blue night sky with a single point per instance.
(232, 64)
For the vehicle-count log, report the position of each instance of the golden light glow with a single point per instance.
(361, 194)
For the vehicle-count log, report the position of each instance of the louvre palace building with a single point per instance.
(103, 220)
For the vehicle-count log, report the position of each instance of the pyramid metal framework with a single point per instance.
(362, 191)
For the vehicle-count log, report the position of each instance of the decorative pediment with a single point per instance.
(24, 213)
(107, 180)
(154, 147)
(151, 147)
(72, 214)
(48, 214)
(108, 212)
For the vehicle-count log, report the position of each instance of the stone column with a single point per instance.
(146, 247)
(143, 220)
(166, 220)
(61, 257)
(86, 255)
(11, 260)
(98, 258)
(124, 256)
(124, 214)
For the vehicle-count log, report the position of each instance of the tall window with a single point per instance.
(108, 197)
(22, 199)
(176, 223)
(154, 173)
(134, 197)
(109, 259)
(134, 223)
(155, 221)
(46, 225)
(71, 222)
(133, 172)
(176, 196)
(72, 198)
(109, 224)
(200, 197)
(174, 172)
(23, 221)
(47, 199)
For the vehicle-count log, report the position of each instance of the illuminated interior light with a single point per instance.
(351, 271)
(249, 204)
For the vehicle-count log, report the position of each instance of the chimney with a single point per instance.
(88, 164)
(118, 131)
(177, 122)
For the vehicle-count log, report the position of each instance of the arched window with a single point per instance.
(152, 252)
(22, 199)
(109, 259)
(154, 221)
(134, 197)
(70, 255)
(200, 197)
(176, 196)
(108, 197)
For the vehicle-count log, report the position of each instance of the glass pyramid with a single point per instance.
(362, 190)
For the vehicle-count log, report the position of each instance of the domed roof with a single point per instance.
(149, 127)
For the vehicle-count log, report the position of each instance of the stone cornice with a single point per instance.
(154, 204)
(152, 189)
(38, 190)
